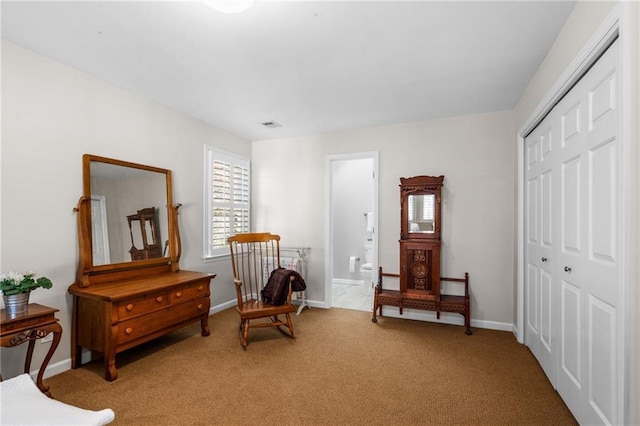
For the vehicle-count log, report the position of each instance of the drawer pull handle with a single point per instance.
(200, 306)
(201, 288)
(159, 299)
(130, 307)
(567, 269)
(129, 330)
(179, 294)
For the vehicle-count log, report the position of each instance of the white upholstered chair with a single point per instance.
(22, 403)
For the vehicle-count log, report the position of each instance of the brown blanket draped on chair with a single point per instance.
(275, 292)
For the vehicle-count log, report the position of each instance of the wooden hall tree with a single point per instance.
(420, 241)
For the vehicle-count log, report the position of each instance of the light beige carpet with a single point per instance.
(341, 370)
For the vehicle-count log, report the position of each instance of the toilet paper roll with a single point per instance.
(352, 264)
(369, 221)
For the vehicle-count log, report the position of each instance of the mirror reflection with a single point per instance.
(128, 213)
(143, 227)
(421, 213)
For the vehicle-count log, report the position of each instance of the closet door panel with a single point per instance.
(590, 162)
(532, 239)
(571, 208)
(539, 222)
(533, 321)
(547, 239)
(570, 355)
(572, 164)
(546, 213)
(572, 179)
(571, 120)
(601, 363)
(546, 311)
(602, 266)
(533, 236)
(602, 100)
(602, 227)
(602, 204)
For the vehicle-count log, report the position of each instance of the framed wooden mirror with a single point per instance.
(126, 218)
(420, 202)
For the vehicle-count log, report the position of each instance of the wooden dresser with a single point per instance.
(121, 300)
(111, 317)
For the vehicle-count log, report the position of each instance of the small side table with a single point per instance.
(30, 326)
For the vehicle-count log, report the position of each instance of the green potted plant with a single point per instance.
(17, 287)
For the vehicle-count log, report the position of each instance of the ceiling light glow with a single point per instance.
(229, 6)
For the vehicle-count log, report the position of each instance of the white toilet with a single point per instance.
(365, 268)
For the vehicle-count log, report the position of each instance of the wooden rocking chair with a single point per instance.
(253, 258)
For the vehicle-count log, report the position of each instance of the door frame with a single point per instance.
(616, 25)
(102, 226)
(328, 256)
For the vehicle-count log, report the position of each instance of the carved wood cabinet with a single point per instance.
(117, 306)
(420, 243)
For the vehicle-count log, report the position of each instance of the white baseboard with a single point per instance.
(221, 307)
(53, 369)
(317, 304)
(514, 330)
(341, 281)
(428, 316)
(445, 318)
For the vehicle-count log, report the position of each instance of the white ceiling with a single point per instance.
(313, 66)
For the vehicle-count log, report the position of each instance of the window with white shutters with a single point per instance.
(227, 195)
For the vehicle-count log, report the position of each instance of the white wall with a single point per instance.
(51, 115)
(475, 153)
(584, 21)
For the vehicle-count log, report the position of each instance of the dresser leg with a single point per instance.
(76, 350)
(110, 371)
(204, 325)
(76, 356)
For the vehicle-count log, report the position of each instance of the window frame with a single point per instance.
(211, 155)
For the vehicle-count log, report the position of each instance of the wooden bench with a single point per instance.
(415, 300)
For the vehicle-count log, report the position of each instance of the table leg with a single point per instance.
(27, 361)
(56, 329)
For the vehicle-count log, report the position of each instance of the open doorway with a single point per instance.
(352, 231)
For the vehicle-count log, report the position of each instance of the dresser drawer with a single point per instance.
(140, 327)
(184, 292)
(141, 305)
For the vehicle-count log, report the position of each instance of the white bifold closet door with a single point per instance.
(572, 244)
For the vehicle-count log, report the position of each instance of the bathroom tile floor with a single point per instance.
(349, 296)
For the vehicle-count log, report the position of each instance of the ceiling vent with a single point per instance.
(271, 124)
